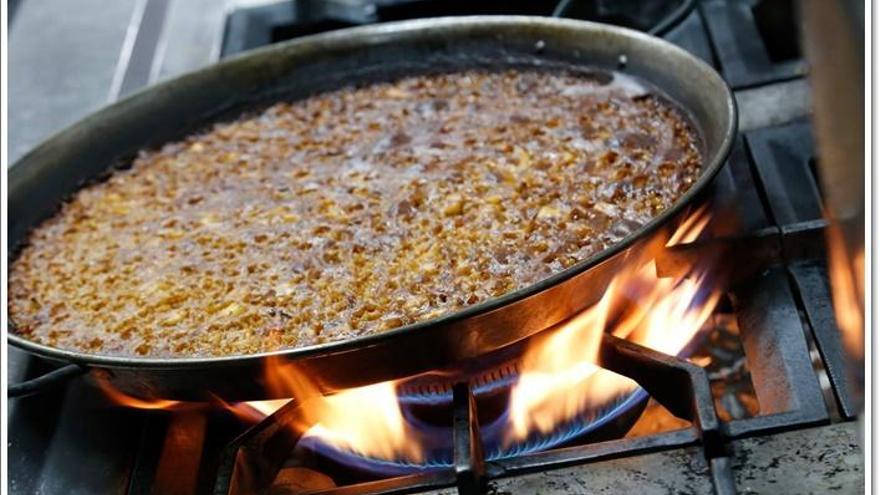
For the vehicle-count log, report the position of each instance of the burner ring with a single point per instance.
(611, 421)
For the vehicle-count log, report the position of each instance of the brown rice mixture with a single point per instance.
(351, 213)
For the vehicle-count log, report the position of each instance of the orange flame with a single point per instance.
(267, 407)
(249, 412)
(848, 290)
(126, 400)
(366, 420)
(559, 376)
(253, 411)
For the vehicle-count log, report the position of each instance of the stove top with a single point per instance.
(782, 418)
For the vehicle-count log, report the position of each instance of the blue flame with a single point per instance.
(492, 435)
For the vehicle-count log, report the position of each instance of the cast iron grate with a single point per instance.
(255, 458)
(756, 41)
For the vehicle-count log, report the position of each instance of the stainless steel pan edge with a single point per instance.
(58, 167)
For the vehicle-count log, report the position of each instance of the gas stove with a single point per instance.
(762, 404)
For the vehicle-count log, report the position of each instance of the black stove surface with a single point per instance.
(278, 21)
(73, 440)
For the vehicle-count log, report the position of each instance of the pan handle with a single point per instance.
(44, 382)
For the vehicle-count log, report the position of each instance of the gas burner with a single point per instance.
(611, 421)
(255, 460)
(428, 410)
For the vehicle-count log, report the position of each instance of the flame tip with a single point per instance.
(560, 377)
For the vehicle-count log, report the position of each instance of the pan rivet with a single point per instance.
(539, 46)
(621, 61)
